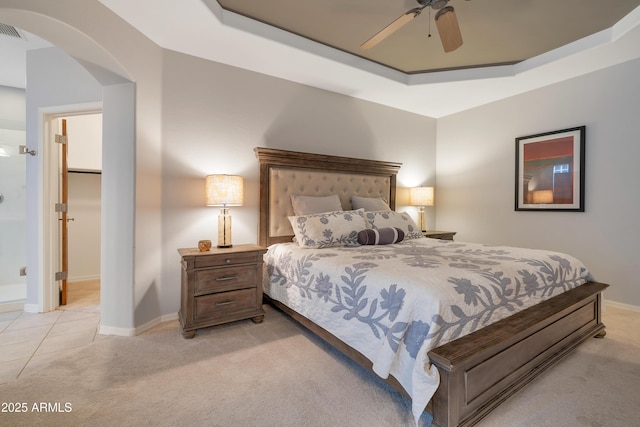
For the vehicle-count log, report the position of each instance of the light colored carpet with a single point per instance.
(278, 374)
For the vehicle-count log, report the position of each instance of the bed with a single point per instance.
(463, 372)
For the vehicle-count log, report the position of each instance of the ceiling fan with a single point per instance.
(445, 18)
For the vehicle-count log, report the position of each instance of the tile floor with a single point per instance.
(29, 341)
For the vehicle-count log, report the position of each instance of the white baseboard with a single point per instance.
(623, 306)
(12, 306)
(112, 330)
(31, 308)
(131, 332)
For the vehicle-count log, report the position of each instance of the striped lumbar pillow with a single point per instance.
(380, 236)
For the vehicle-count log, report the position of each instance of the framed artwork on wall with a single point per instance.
(550, 171)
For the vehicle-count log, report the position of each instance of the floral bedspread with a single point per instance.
(393, 303)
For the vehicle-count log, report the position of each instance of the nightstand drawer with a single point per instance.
(220, 285)
(227, 259)
(223, 303)
(224, 279)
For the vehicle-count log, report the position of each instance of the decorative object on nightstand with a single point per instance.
(220, 286)
(421, 197)
(442, 235)
(204, 245)
(224, 191)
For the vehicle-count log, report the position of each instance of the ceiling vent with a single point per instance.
(9, 30)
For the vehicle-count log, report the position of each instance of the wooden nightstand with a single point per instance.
(219, 286)
(442, 235)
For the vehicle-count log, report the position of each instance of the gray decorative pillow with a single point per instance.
(401, 220)
(306, 205)
(369, 203)
(338, 228)
(381, 236)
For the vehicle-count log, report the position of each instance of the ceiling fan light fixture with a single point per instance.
(448, 28)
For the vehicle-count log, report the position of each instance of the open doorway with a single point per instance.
(79, 72)
(77, 246)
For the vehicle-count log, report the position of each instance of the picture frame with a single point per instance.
(550, 170)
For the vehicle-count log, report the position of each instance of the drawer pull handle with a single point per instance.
(223, 279)
(227, 261)
(220, 304)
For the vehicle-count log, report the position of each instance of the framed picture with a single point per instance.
(550, 171)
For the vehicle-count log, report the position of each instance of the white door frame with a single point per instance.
(49, 239)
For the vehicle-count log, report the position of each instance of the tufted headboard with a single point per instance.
(283, 173)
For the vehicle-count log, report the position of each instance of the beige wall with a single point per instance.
(85, 142)
(128, 68)
(194, 117)
(476, 183)
(84, 159)
(84, 229)
(213, 117)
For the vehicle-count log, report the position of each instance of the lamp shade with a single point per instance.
(421, 196)
(224, 190)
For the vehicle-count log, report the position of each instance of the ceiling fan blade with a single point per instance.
(448, 28)
(392, 28)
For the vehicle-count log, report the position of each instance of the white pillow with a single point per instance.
(306, 205)
(369, 203)
(401, 220)
(338, 228)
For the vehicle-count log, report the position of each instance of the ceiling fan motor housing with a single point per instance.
(446, 22)
(435, 4)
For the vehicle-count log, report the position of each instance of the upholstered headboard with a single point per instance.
(283, 173)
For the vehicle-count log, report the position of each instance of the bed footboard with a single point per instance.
(482, 369)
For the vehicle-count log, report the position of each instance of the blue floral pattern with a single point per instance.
(324, 230)
(395, 302)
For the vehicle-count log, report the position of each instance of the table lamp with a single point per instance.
(421, 196)
(224, 191)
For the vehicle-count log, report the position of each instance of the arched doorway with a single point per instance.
(118, 183)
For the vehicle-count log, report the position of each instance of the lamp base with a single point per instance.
(224, 228)
(423, 221)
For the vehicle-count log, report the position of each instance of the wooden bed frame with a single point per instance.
(480, 370)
